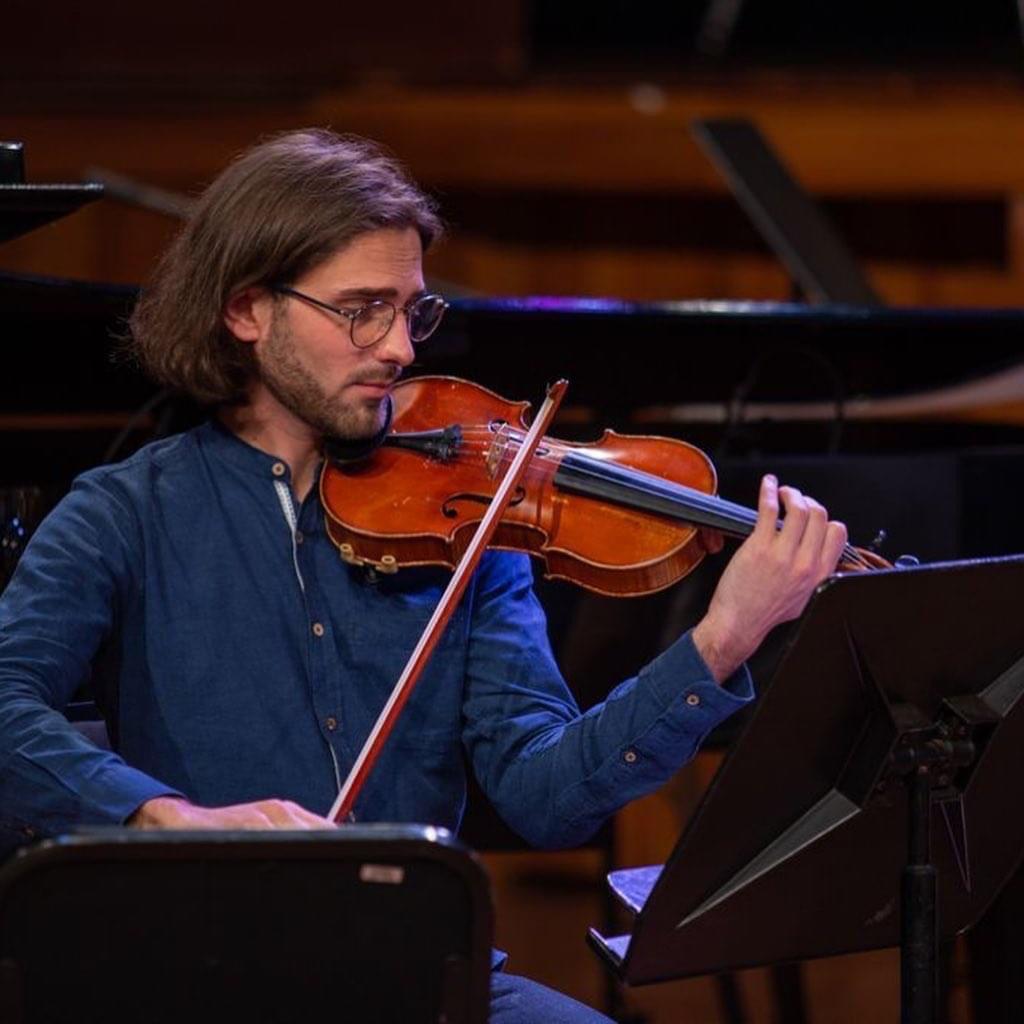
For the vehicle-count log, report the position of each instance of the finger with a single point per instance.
(795, 522)
(276, 812)
(286, 814)
(809, 553)
(249, 819)
(767, 508)
(310, 819)
(832, 547)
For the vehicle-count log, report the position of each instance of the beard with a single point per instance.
(301, 393)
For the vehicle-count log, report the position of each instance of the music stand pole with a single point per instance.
(919, 936)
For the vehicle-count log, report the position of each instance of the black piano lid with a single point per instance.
(57, 337)
(703, 349)
(24, 208)
(615, 353)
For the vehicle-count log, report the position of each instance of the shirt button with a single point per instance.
(629, 757)
(331, 722)
(693, 700)
(299, 537)
(318, 629)
(277, 469)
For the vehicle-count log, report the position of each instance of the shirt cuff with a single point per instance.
(680, 673)
(120, 793)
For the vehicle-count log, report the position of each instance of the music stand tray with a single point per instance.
(894, 681)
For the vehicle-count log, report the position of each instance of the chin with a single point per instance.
(361, 425)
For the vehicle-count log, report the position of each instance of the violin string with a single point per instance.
(653, 485)
(645, 483)
(650, 484)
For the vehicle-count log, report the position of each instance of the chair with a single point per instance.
(372, 923)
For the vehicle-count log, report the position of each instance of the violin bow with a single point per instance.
(364, 763)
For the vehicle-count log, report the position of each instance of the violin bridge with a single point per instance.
(498, 447)
(387, 564)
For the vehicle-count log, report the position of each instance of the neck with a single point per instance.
(265, 424)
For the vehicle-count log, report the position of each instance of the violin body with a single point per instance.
(417, 499)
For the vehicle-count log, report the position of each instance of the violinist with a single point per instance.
(238, 661)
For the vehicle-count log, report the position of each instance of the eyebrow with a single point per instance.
(348, 294)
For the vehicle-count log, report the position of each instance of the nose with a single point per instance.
(396, 346)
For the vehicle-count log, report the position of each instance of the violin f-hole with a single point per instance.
(450, 512)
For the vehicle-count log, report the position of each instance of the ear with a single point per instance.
(248, 314)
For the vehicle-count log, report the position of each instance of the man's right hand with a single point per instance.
(176, 813)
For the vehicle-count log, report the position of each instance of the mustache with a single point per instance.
(377, 378)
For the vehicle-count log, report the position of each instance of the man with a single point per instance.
(238, 661)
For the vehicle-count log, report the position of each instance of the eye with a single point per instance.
(373, 312)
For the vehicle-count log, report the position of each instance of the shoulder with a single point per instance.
(133, 482)
(160, 456)
(118, 495)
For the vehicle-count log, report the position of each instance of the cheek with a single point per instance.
(331, 357)
(341, 365)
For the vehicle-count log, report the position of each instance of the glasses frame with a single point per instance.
(353, 314)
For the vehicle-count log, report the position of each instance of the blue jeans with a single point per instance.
(516, 1000)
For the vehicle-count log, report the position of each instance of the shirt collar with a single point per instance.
(227, 446)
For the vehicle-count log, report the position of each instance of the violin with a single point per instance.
(620, 516)
(457, 470)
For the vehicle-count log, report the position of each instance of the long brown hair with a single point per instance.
(277, 211)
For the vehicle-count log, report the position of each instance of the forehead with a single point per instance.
(384, 258)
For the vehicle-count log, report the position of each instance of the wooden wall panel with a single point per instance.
(635, 274)
(868, 136)
(855, 142)
(123, 51)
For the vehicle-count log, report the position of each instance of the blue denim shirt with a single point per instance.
(236, 657)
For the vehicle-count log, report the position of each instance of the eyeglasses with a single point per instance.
(371, 321)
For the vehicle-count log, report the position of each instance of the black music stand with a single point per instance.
(383, 923)
(902, 691)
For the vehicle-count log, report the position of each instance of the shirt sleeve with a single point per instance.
(59, 607)
(552, 773)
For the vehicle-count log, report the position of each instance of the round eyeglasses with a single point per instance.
(371, 321)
